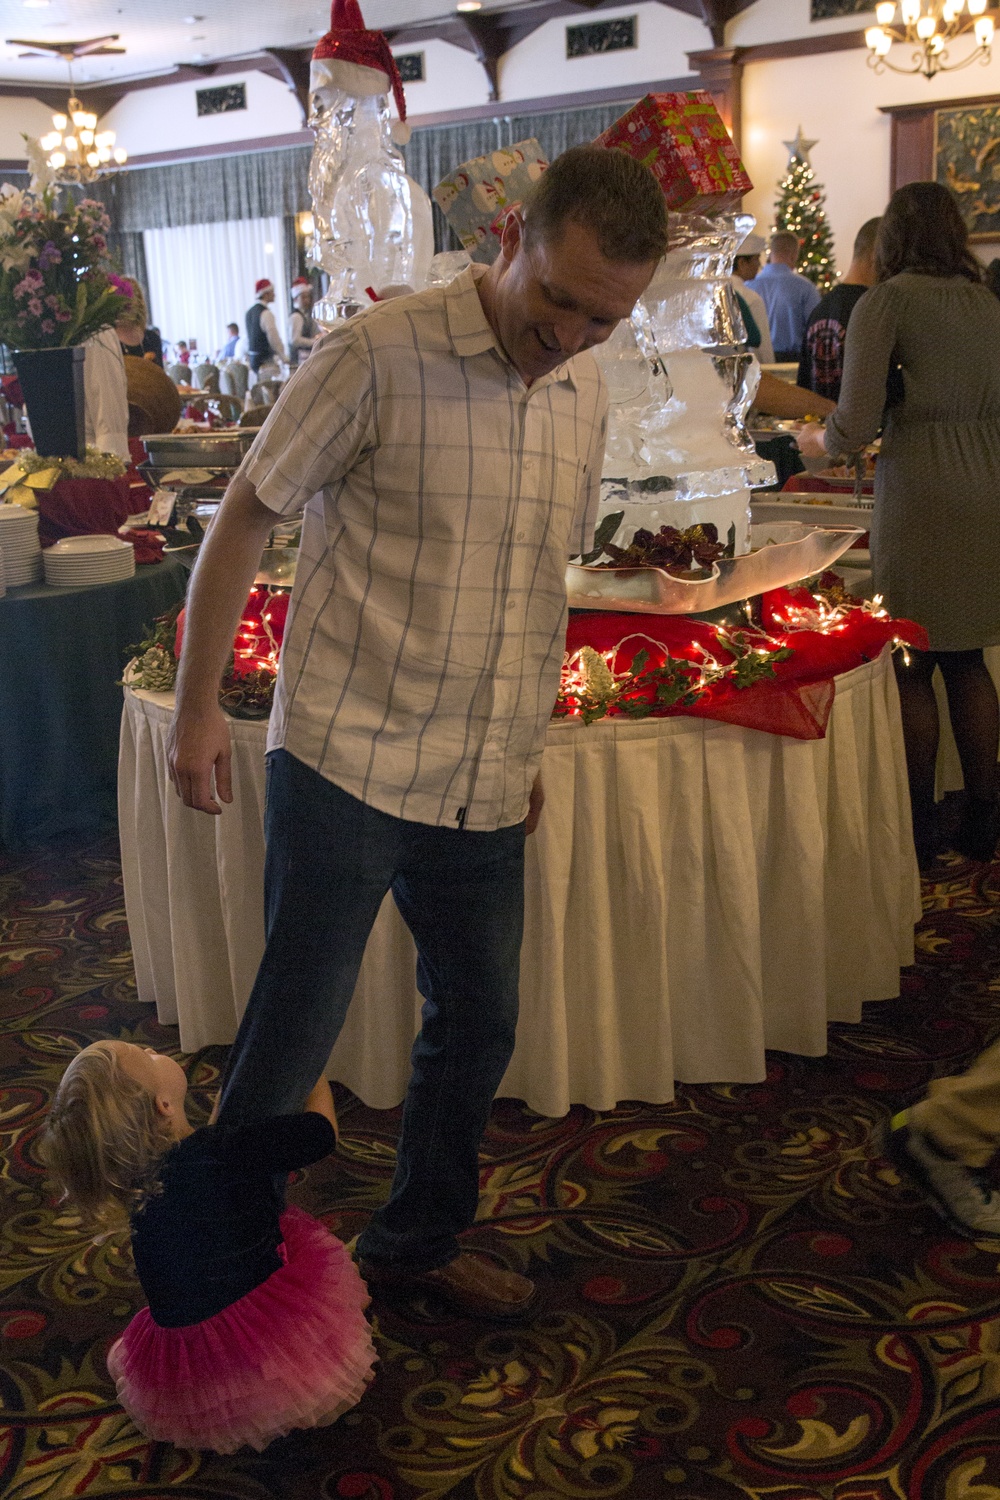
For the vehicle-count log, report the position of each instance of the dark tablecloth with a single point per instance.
(62, 652)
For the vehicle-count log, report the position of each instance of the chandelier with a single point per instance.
(76, 151)
(927, 27)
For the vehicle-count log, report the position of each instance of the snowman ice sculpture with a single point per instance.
(372, 223)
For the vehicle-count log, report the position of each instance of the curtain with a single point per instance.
(201, 277)
(127, 249)
(253, 185)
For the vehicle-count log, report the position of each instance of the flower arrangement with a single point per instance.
(57, 286)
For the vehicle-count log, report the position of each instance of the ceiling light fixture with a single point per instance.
(925, 28)
(469, 5)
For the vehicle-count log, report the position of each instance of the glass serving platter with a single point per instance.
(653, 591)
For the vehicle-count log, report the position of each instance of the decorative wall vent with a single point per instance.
(223, 100)
(411, 66)
(601, 36)
(826, 10)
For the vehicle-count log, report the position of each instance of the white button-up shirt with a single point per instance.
(442, 498)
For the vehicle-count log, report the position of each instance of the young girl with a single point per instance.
(255, 1323)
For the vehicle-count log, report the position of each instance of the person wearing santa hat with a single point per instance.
(303, 329)
(265, 350)
(444, 451)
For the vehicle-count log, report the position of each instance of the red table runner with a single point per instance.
(824, 641)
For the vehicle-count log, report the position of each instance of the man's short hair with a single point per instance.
(607, 191)
(864, 240)
(234, 326)
(785, 243)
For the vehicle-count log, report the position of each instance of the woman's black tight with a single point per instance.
(975, 721)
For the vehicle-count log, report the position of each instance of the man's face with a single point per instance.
(560, 297)
(304, 302)
(267, 295)
(747, 266)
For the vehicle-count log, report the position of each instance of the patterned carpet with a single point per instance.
(738, 1297)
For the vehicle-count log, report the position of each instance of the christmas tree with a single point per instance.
(799, 207)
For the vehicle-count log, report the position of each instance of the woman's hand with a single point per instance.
(811, 441)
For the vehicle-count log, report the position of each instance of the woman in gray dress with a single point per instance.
(935, 535)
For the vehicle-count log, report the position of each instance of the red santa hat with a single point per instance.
(263, 285)
(356, 61)
(301, 284)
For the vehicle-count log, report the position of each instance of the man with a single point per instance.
(946, 1142)
(265, 351)
(446, 448)
(821, 366)
(228, 350)
(788, 297)
(745, 267)
(303, 330)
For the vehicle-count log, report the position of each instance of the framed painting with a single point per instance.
(967, 160)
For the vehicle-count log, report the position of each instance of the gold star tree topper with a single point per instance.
(800, 148)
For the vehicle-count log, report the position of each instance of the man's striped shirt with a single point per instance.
(441, 501)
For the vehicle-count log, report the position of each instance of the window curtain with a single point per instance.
(259, 184)
(201, 277)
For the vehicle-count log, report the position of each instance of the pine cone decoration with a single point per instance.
(155, 671)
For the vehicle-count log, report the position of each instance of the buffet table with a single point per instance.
(696, 893)
(62, 651)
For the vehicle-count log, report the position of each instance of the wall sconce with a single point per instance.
(305, 224)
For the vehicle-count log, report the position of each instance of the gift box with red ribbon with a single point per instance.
(682, 140)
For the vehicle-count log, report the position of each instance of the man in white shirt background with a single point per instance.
(445, 450)
(303, 330)
(265, 351)
(746, 264)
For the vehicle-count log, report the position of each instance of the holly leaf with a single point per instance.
(603, 535)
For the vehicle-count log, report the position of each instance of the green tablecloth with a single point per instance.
(62, 652)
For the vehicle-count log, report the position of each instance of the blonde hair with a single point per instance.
(104, 1139)
(138, 312)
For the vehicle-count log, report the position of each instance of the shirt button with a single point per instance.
(511, 603)
(519, 536)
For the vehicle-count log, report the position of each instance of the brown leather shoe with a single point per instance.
(471, 1284)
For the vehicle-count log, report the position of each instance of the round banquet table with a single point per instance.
(695, 893)
(62, 652)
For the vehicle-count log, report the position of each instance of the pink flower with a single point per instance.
(35, 306)
(48, 326)
(52, 301)
(63, 315)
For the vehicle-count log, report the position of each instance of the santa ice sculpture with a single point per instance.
(372, 223)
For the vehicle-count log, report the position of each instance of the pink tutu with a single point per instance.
(294, 1352)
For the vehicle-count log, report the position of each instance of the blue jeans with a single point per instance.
(330, 861)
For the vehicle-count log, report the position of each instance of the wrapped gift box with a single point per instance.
(682, 139)
(478, 195)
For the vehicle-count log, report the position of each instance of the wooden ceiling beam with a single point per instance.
(293, 67)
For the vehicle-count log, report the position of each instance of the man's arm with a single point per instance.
(198, 744)
(270, 328)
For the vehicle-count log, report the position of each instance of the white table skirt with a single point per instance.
(695, 893)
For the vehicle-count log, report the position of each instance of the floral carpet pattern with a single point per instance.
(738, 1296)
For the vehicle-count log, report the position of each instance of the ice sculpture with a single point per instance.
(372, 223)
(681, 384)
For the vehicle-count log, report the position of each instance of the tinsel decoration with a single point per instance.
(96, 465)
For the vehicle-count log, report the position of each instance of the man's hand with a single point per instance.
(198, 747)
(535, 804)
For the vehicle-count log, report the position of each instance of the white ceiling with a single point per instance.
(158, 34)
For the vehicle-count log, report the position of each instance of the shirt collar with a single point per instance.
(469, 328)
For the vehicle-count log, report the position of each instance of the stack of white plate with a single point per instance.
(81, 561)
(22, 554)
